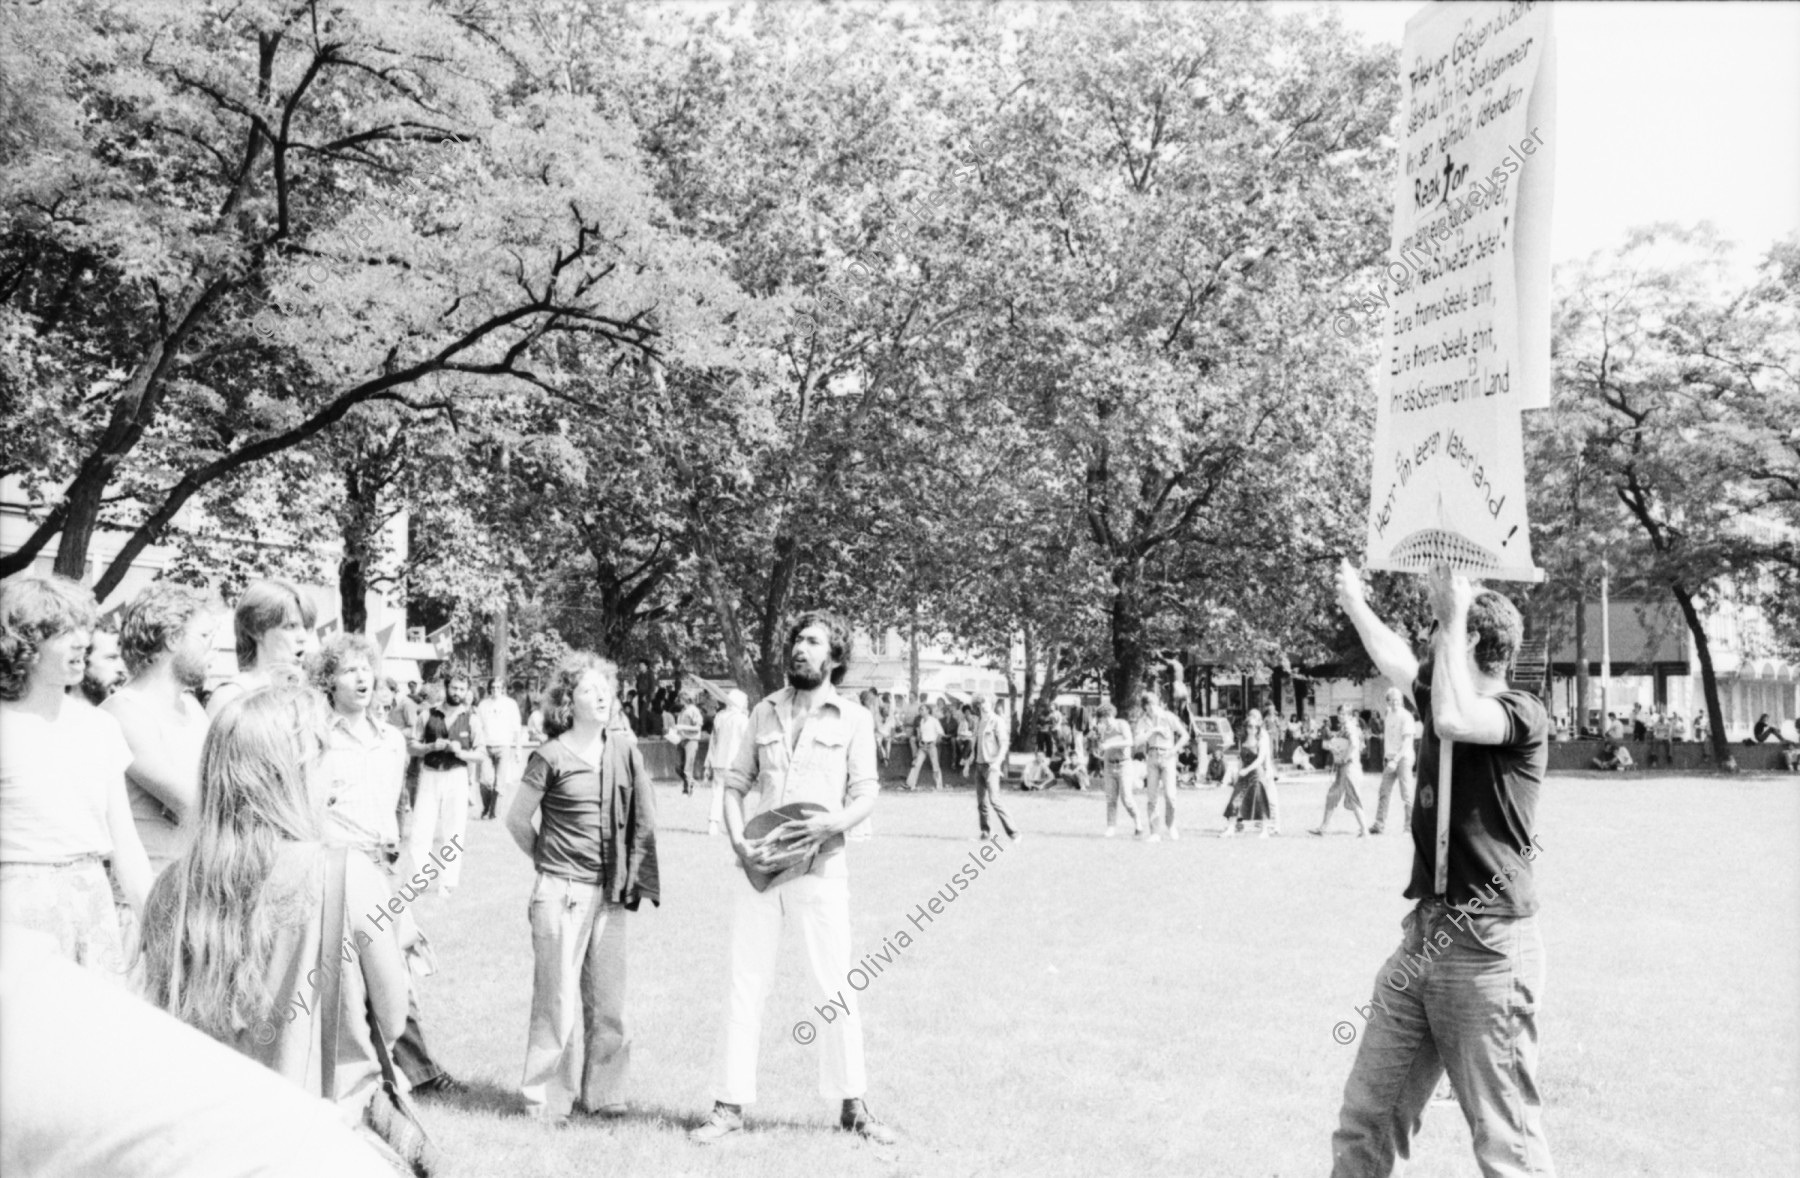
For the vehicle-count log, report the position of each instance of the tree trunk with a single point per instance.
(1709, 682)
(1581, 671)
(1028, 721)
(353, 590)
(1127, 619)
(80, 519)
(772, 660)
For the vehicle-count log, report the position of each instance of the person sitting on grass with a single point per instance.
(1038, 774)
(1614, 756)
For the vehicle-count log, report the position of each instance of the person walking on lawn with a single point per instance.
(986, 752)
(1470, 953)
(1399, 732)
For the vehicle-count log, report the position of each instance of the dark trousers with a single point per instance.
(987, 797)
(410, 1053)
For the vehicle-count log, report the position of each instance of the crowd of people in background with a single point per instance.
(215, 850)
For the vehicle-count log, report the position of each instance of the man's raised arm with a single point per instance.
(1392, 655)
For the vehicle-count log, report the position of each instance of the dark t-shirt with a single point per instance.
(571, 830)
(437, 728)
(1493, 808)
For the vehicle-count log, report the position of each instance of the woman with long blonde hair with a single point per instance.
(233, 929)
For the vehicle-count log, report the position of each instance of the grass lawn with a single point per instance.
(1093, 1006)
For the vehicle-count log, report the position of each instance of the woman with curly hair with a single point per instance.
(595, 852)
(233, 932)
(63, 809)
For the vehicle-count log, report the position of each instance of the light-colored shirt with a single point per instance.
(500, 723)
(1161, 733)
(56, 779)
(826, 756)
(1398, 731)
(930, 731)
(729, 727)
(364, 771)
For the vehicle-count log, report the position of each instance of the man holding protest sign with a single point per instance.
(1461, 993)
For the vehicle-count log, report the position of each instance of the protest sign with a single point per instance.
(1467, 341)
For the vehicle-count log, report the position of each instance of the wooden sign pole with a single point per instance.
(1440, 883)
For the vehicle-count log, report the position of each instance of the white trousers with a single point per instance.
(820, 907)
(440, 814)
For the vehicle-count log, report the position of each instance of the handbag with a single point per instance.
(390, 1124)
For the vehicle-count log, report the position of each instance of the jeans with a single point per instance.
(1397, 772)
(937, 773)
(1159, 787)
(987, 797)
(1460, 994)
(1112, 777)
(578, 941)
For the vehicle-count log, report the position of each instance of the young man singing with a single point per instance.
(1461, 993)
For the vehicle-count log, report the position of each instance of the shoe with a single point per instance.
(441, 1085)
(1174, 835)
(1153, 837)
(857, 1119)
(712, 829)
(1112, 832)
(1318, 830)
(1263, 833)
(1228, 832)
(724, 1121)
(1375, 829)
(1016, 836)
(606, 1112)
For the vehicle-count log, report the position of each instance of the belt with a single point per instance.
(57, 864)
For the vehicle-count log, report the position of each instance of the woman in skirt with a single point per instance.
(1252, 798)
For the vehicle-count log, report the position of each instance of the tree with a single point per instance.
(1174, 220)
(1669, 378)
(327, 206)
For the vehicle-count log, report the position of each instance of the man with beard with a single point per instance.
(165, 638)
(806, 743)
(105, 670)
(446, 747)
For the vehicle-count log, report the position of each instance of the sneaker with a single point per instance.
(1318, 830)
(1153, 837)
(1375, 829)
(1229, 832)
(1112, 832)
(1174, 835)
(712, 829)
(1016, 836)
(725, 1120)
(857, 1119)
(1263, 833)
